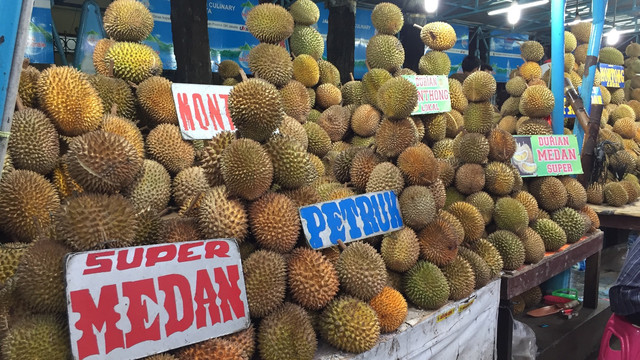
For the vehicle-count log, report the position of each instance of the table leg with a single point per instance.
(592, 280)
(505, 330)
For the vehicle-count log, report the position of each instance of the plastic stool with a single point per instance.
(629, 336)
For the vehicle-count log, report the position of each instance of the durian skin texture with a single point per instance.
(313, 280)
(37, 337)
(287, 334)
(127, 20)
(350, 325)
(33, 143)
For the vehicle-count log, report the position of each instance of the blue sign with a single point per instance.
(612, 75)
(350, 219)
(461, 49)
(596, 98)
(505, 53)
(39, 48)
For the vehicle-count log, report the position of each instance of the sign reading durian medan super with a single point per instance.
(351, 219)
(134, 302)
(433, 93)
(202, 110)
(612, 75)
(546, 155)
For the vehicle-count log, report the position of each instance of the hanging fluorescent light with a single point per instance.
(513, 15)
(521, 6)
(613, 36)
(431, 6)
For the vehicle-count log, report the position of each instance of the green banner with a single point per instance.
(546, 155)
(433, 93)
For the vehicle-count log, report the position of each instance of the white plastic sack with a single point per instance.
(524, 342)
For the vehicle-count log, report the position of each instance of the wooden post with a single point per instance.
(590, 141)
(189, 25)
(341, 36)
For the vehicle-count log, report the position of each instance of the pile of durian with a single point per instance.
(98, 162)
(617, 184)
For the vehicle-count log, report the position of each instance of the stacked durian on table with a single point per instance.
(98, 161)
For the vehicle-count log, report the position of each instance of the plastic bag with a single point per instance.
(524, 342)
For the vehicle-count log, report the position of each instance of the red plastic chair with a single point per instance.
(629, 336)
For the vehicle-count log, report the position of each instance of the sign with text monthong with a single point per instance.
(134, 302)
(433, 93)
(202, 110)
(611, 75)
(546, 155)
(350, 219)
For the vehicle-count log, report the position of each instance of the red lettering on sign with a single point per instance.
(205, 299)
(169, 284)
(161, 253)
(229, 292)
(216, 248)
(225, 97)
(214, 110)
(97, 317)
(123, 264)
(185, 112)
(103, 265)
(185, 254)
(198, 105)
(138, 311)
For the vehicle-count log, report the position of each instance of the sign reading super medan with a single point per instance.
(350, 219)
(546, 155)
(134, 302)
(433, 93)
(203, 110)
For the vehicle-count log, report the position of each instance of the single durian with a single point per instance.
(269, 23)
(287, 334)
(387, 18)
(426, 286)
(133, 62)
(438, 35)
(166, 146)
(391, 309)
(127, 20)
(33, 144)
(222, 217)
(400, 250)
(350, 325)
(361, 271)
(312, 279)
(156, 100)
(265, 276)
(275, 222)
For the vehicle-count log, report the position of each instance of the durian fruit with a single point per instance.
(304, 12)
(26, 202)
(28, 86)
(631, 189)
(166, 146)
(319, 141)
(484, 203)
(40, 276)
(290, 161)
(387, 18)
(593, 217)
(435, 127)
(459, 101)
(440, 239)
(576, 193)
(99, 54)
(188, 183)
(312, 279)
(535, 126)
(479, 86)
(438, 36)
(404, 71)
(502, 145)
(128, 20)
(156, 100)
(551, 233)
(292, 128)
(116, 92)
(385, 176)
(478, 117)
(455, 121)
(481, 271)
(265, 276)
(133, 62)
(469, 179)
(516, 86)
(161, 356)
(329, 74)
(443, 149)
(212, 154)
(150, 228)
(328, 95)
(571, 222)
(426, 286)
(350, 325)
(61, 179)
(530, 71)
(335, 121)
(306, 40)
(569, 63)
(537, 101)
(418, 165)
(391, 309)
(447, 170)
(352, 93)
(67, 97)
(385, 52)
(625, 127)
(33, 144)
(532, 51)
(510, 107)
(365, 120)
(269, 23)
(287, 333)
(434, 63)
(221, 217)
(271, 63)
(96, 221)
(550, 193)
(581, 53)
(179, 229)
(10, 255)
(245, 340)
(342, 164)
(529, 202)
(256, 108)
(247, 169)
(518, 305)
(215, 348)
(532, 297)
(510, 248)
(371, 82)
(275, 222)
(126, 128)
(489, 254)
(510, 214)
(362, 165)
(37, 337)
(228, 69)
(295, 100)
(534, 248)
(570, 42)
(508, 124)
(361, 271)
(400, 250)
(397, 98)
(151, 189)
(471, 148)
(103, 162)
(470, 218)
(453, 195)
(460, 277)
(230, 82)
(611, 55)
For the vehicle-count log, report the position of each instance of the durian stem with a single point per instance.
(343, 247)
(417, 26)
(19, 103)
(110, 68)
(351, 76)
(114, 109)
(132, 84)
(243, 75)
(196, 198)
(366, 62)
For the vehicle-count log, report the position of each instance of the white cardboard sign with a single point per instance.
(134, 302)
(351, 219)
(202, 110)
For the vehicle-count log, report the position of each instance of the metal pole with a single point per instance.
(14, 29)
(557, 64)
(599, 10)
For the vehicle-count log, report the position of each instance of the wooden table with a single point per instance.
(516, 282)
(625, 217)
